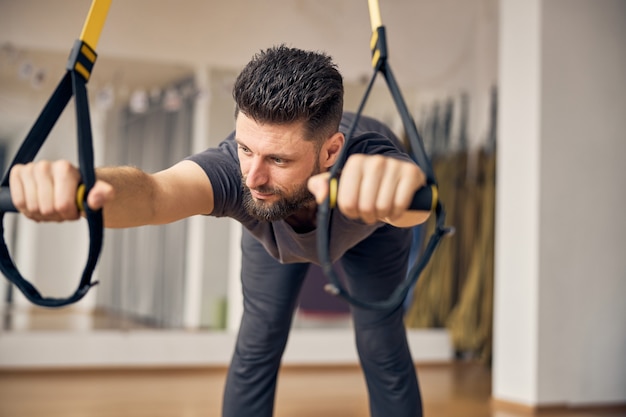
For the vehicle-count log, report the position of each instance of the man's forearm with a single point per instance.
(133, 203)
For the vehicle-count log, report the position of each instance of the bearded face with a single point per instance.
(276, 162)
(284, 204)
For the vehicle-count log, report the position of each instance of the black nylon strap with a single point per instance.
(73, 83)
(44, 124)
(418, 153)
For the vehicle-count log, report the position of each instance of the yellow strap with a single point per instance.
(376, 23)
(375, 15)
(94, 23)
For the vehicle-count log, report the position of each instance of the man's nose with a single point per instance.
(257, 174)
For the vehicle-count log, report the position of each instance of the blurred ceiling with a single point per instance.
(146, 43)
(426, 38)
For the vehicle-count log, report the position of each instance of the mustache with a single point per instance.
(286, 204)
(264, 189)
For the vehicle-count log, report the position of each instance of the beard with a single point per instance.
(285, 206)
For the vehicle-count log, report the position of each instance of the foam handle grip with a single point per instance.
(6, 203)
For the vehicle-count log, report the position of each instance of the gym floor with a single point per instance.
(448, 390)
(460, 388)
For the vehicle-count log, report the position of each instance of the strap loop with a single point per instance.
(79, 66)
(378, 46)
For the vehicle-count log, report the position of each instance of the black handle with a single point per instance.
(7, 206)
(424, 199)
(6, 203)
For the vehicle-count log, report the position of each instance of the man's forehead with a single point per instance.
(290, 136)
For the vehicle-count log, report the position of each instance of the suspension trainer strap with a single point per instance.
(425, 199)
(73, 84)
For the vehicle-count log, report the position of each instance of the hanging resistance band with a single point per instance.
(73, 83)
(425, 199)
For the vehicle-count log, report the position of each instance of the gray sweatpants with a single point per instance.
(270, 290)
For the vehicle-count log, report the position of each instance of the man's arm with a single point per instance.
(45, 191)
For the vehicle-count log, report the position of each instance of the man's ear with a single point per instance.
(331, 149)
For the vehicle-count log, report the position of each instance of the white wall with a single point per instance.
(560, 320)
(517, 202)
(583, 231)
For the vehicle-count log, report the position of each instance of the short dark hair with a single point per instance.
(285, 85)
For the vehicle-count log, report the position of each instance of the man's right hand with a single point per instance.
(46, 191)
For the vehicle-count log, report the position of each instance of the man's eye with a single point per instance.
(244, 149)
(279, 161)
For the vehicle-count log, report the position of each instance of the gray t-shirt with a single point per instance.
(221, 165)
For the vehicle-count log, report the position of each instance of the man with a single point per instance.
(267, 175)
